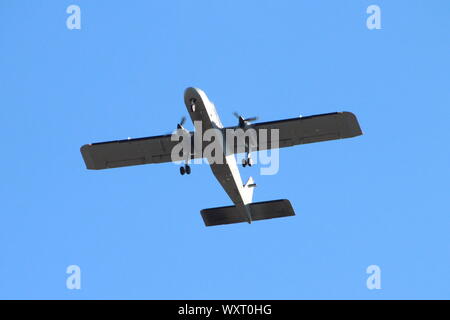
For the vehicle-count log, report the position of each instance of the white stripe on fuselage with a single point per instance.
(227, 173)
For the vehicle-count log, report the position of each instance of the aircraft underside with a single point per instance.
(159, 149)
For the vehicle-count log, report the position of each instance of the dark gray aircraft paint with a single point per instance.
(158, 149)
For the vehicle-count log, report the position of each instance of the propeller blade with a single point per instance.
(251, 119)
(183, 120)
(243, 121)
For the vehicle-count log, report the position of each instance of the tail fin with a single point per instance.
(259, 211)
(249, 187)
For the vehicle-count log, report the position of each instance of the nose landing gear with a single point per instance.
(193, 105)
(186, 169)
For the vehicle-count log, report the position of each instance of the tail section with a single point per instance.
(259, 211)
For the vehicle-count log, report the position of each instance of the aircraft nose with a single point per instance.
(195, 94)
(192, 92)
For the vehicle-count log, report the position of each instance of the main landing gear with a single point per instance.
(185, 169)
(247, 162)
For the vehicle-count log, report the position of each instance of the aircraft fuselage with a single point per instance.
(200, 108)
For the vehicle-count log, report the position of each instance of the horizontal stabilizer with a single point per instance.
(258, 211)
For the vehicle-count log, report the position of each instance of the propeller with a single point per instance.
(182, 121)
(179, 125)
(243, 121)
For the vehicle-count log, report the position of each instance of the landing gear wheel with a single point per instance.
(244, 162)
(182, 171)
(249, 162)
(188, 169)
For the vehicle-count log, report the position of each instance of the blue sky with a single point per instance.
(136, 232)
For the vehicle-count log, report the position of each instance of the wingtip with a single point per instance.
(352, 124)
(88, 161)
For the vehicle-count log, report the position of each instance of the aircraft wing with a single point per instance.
(323, 127)
(129, 152)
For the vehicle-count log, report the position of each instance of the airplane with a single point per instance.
(158, 149)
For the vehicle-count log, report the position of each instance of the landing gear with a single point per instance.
(185, 169)
(247, 162)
